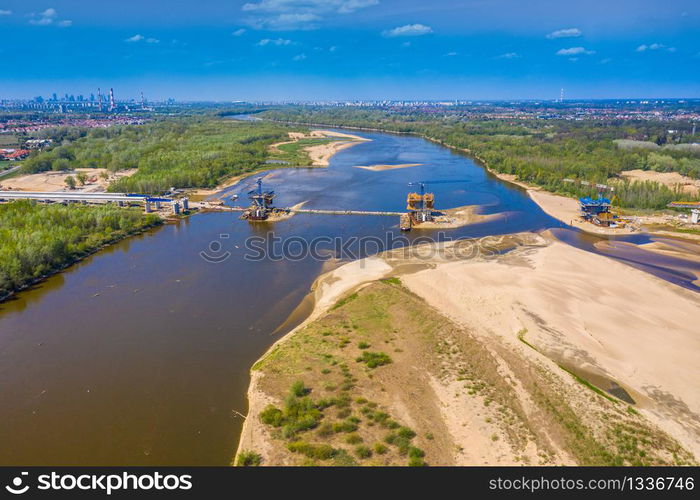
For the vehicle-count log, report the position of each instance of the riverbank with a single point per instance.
(38, 241)
(631, 401)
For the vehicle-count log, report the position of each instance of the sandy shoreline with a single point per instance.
(381, 168)
(610, 323)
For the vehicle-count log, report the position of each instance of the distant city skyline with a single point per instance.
(308, 50)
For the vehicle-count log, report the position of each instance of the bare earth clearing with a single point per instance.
(56, 181)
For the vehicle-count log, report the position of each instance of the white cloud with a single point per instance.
(654, 46)
(152, 40)
(239, 32)
(575, 51)
(408, 30)
(298, 14)
(452, 54)
(47, 18)
(135, 38)
(565, 33)
(299, 57)
(5, 12)
(279, 42)
(509, 55)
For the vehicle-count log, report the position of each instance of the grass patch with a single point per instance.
(374, 359)
(344, 301)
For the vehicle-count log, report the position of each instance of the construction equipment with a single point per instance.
(421, 206)
(694, 207)
(261, 203)
(600, 211)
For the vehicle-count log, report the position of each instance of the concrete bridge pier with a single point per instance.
(176, 208)
(147, 207)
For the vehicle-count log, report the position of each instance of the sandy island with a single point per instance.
(458, 217)
(321, 154)
(542, 306)
(381, 168)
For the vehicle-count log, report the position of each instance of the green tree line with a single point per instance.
(182, 153)
(37, 239)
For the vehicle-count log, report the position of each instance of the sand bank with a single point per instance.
(539, 306)
(321, 154)
(458, 217)
(596, 316)
(381, 168)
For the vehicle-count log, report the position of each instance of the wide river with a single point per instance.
(140, 354)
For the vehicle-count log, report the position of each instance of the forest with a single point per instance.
(37, 239)
(541, 152)
(181, 153)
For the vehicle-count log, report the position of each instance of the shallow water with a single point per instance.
(140, 354)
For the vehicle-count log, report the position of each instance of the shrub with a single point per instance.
(364, 345)
(380, 449)
(363, 451)
(353, 438)
(374, 359)
(343, 459)
(416, 462)
(247, 458)
(414, 452)
(299, 389)
(403, 444)
(319, 451)
(345, 426)
(407, 433)
(271, 416)
(325, 430)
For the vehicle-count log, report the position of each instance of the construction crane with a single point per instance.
(261, 202)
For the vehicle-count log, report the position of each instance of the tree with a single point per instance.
(70, 182)
(82, 178)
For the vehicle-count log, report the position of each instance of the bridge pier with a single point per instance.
(147, 207)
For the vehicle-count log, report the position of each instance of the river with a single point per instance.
(140, 354)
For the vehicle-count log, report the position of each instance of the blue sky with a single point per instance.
(351, 49)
